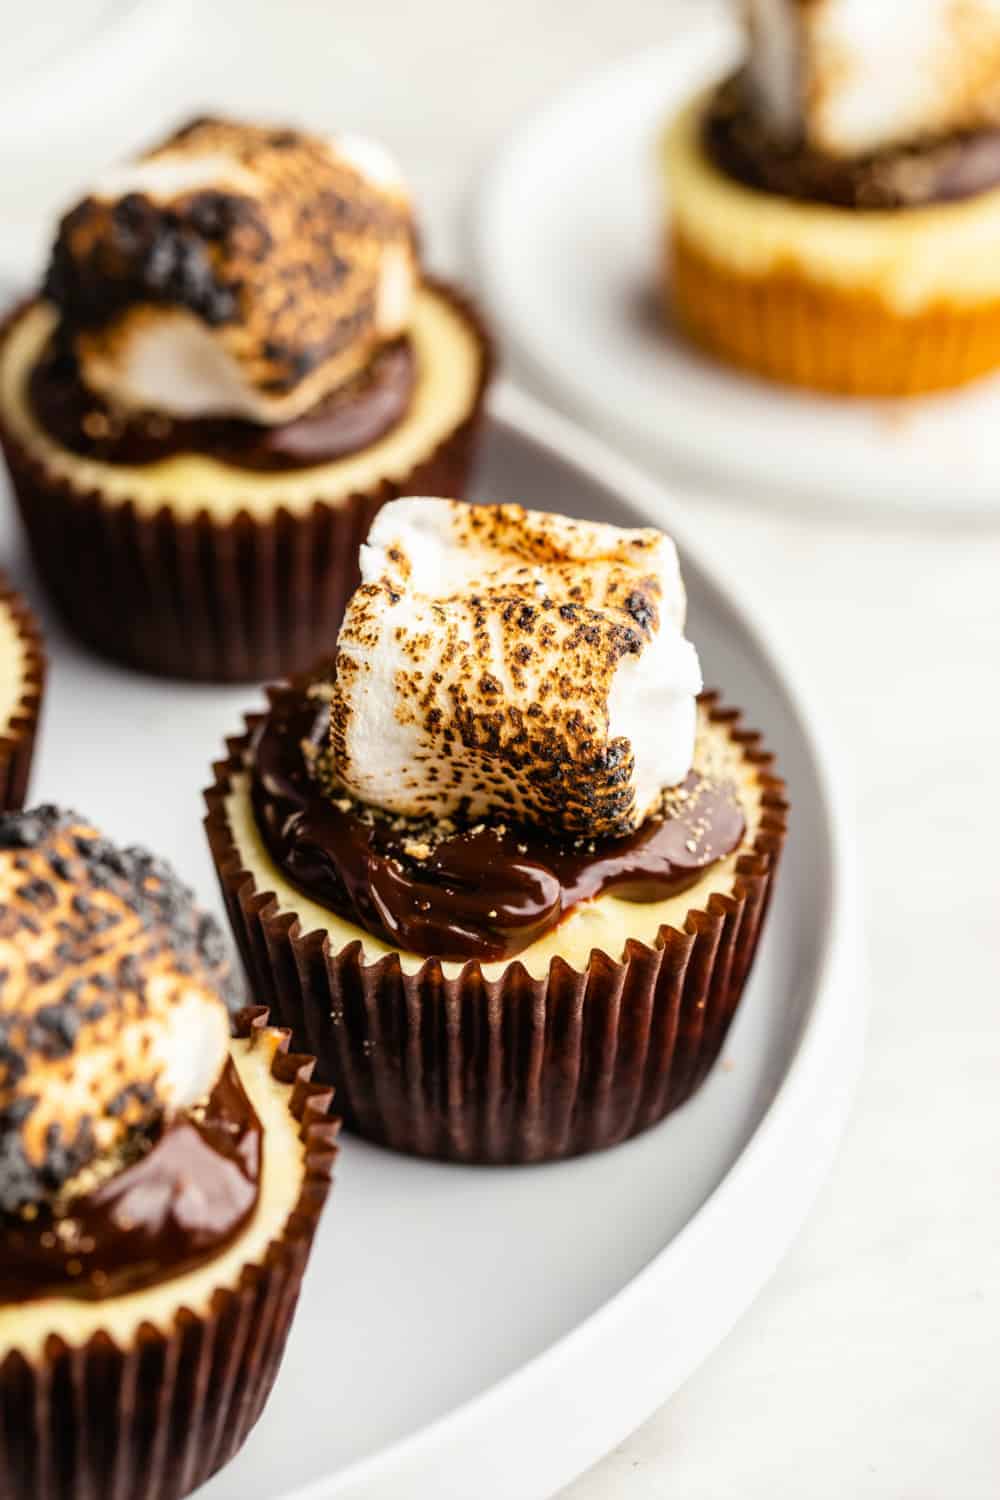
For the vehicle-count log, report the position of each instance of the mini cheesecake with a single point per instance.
(22, 683)
(489, 969)
(835, 236)
(235, 361)
(160, 1178)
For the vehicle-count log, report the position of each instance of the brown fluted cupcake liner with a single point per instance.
(17, 742)
(791, 329)
(513, 1069)
(240, 600)
(155, 1420)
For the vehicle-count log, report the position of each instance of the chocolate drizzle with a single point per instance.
(350, 418)
(941, 170)
(482, 892)
(176, 1205)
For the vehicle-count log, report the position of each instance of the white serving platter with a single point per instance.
(567, 231)
(490, 1333)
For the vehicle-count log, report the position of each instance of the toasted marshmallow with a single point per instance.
(236, 271)
(113, 1000)
(497, 660)
(850, 77)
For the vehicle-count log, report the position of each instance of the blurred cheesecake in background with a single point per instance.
(835, 204)
(235, 359)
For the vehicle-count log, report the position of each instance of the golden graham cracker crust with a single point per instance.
(151, 1392)
(592, 1034)
(800, 332)
(887, 303)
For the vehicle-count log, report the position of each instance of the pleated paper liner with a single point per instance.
(246, 599)
(514, 1069)
(154, 1420)
(17, 740)
(802, 332)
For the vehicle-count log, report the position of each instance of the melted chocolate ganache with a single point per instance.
(476, 892)
(183, 1199)
(940, 170)
(349, 419)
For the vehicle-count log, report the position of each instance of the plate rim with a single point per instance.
(456, 1450)
(696, 35)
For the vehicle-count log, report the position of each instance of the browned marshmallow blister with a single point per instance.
(113, 1000)
(501, 660)
(847, 78)
(235, 269)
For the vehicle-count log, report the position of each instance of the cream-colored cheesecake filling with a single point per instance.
(912, 258)
(605, 922)
(12, 667)
(26, 1326)
(449, 367)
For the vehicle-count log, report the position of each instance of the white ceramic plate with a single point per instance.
(490, 1333)
(567, 235)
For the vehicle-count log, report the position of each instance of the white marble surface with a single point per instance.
(868, 1366)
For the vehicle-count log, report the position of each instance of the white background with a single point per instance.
(868, 1368)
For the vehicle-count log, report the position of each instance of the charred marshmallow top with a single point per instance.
(497, 660)
(236, 271)
(850, 77)
(113, 1000)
